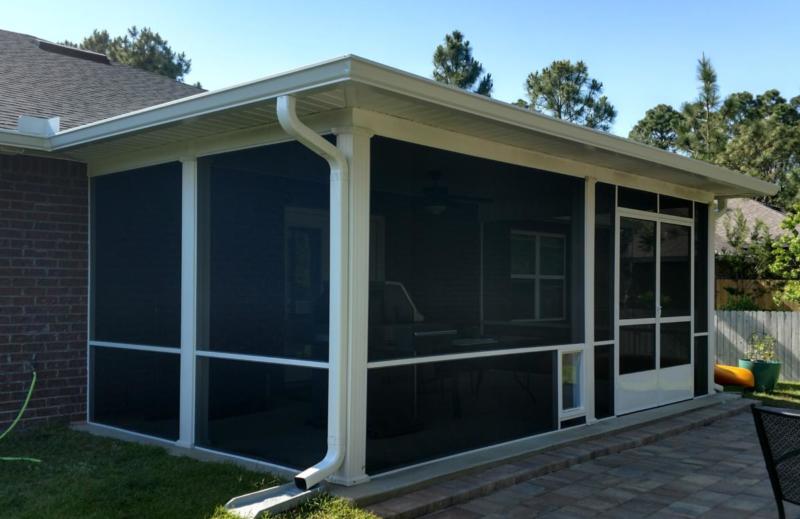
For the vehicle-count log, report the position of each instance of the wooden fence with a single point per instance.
(734, 329)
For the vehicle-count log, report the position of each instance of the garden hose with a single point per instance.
(16, 420)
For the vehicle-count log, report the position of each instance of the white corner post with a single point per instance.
(712, 297)
(588, 294)
(354, 143)
(188, 299)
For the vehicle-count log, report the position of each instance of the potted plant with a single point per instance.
(761, 361)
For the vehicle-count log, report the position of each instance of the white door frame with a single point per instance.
(662, 390)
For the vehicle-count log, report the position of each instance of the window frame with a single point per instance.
(537, 277)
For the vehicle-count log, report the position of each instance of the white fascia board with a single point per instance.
(313, 77)
(400, 82)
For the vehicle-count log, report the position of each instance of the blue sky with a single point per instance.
(644, 52)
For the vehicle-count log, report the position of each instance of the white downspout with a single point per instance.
(337, 328)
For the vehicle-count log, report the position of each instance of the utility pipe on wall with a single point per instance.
(337, 330)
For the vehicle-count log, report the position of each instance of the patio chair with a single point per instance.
(779, 435)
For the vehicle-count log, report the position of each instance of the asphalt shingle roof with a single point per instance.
(43, 83)
(752, 211)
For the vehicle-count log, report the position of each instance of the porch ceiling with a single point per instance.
(353, 82)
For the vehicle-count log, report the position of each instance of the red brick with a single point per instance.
(43, 287)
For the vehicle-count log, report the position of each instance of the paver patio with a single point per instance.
(711, 471)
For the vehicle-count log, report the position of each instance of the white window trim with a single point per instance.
(537, 277)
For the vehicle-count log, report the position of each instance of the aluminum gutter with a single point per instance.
(370, 73)
(387, 78)
(312, 77)
(14, 139)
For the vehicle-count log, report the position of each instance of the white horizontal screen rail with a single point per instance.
(138, 347)
(283, 361)
(471, 355)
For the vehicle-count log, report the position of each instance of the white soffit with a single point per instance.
(353, 82)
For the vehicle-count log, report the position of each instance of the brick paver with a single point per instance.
(712, 471)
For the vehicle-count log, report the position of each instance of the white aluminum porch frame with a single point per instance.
(657, 218)
(366, 123)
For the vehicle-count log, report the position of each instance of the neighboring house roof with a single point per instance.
(361, 92)
(752, 211)
(42, 79)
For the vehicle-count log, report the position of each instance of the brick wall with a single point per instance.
(43, 287)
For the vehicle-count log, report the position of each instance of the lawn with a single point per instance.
(90, 477)
(786, 394)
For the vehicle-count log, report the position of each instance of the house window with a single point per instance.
(538, 274)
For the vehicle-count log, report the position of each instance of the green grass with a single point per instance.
(90, 477)
(786, 394)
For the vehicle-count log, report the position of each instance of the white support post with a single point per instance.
(588, 294)
(712, 285)
(202, 315)
(188, 299)
(355, 145)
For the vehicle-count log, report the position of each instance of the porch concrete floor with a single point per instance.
(678, 461)
(711, 471)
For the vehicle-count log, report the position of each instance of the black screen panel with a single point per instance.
(636, 199)
(422, 412)
(605, 202)
(270, 412)
(136, 249)
(701, 268)
(136, 390)
(604, 381)
(700, 366)
(266, 211)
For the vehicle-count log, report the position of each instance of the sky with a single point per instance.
(644, 52)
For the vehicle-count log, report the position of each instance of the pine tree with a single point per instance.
(453, 64)
(143, 49)
(658, 128)
(703, 132)
(756, 135)
(566, 91)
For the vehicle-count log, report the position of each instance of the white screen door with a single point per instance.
(654, 309)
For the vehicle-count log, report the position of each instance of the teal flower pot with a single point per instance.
(765, 373)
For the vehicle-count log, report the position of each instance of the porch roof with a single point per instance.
(354, 82)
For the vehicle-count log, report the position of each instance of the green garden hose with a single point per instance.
(17, 419)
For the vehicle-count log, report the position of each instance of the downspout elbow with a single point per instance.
(337, 364)
(291, 124)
